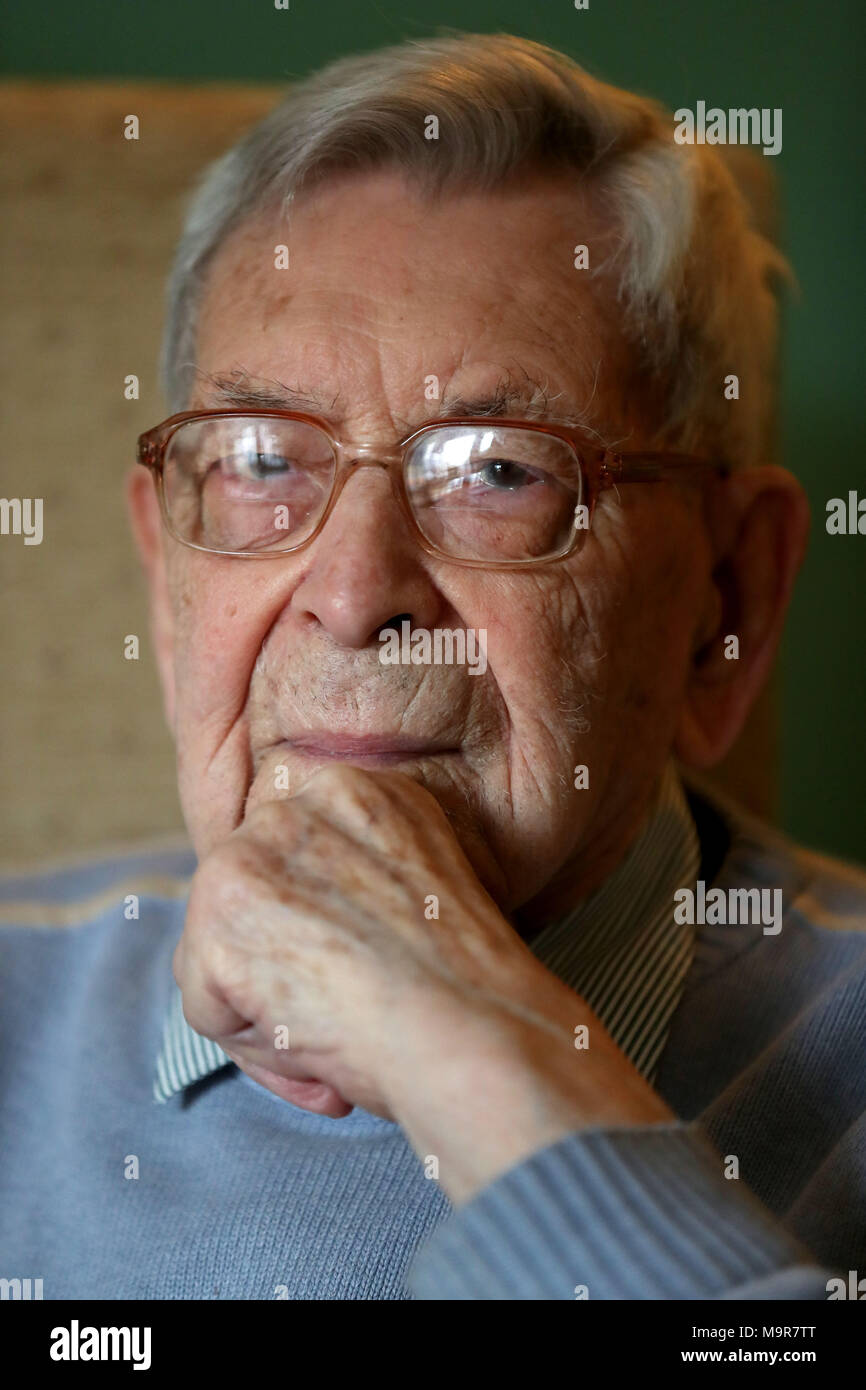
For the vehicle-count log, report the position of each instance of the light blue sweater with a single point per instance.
(226, 1192)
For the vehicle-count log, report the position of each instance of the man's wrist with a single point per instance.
(479, 1090)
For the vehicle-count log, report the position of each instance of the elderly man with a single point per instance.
(457, 538)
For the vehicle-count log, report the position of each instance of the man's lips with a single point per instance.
(365, 747)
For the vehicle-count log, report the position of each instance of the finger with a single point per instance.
(368, 804)
(316, 1096)
(207, 1011)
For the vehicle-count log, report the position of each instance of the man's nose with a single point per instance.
(365, 571)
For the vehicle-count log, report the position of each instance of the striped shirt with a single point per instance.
(619, 949)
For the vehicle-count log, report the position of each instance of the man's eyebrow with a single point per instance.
(529, 400)
(506, 402)
(253, 393)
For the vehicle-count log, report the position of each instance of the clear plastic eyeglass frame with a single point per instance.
(599, 468)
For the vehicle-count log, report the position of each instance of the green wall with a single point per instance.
(799, 55)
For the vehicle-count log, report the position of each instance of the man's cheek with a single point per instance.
(214, 662)
(213, 769)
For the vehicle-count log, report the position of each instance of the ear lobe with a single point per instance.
(146, 522)
(752, 583)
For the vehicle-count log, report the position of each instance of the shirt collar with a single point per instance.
(620, 949)
(185, 1056)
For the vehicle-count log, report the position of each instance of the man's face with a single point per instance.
(275, 662)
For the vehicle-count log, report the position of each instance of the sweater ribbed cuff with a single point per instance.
(639, 1213)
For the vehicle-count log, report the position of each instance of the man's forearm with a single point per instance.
(484, 1090)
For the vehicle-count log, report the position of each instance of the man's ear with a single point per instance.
(759, 544)
(146, 522)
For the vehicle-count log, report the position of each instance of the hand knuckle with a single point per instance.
(270, 818)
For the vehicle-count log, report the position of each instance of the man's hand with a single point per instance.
(313, 955)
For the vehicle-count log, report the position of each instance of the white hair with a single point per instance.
(694, 280)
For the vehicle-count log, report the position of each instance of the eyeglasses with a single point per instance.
(485, 492)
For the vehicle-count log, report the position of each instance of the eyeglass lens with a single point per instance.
(481, 492)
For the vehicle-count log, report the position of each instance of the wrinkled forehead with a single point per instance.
(370, 291)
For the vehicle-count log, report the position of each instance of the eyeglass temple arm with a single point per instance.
(645, 467)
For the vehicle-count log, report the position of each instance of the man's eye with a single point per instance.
(505, 475)
(258, 466)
